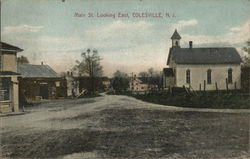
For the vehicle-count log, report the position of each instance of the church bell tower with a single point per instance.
(176, 39)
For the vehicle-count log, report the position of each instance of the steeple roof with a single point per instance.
(176, 35)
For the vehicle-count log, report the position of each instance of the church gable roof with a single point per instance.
(176, 35)
(204, 56)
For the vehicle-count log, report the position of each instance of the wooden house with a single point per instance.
(8, 78)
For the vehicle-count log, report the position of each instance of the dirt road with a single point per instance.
(123, 127)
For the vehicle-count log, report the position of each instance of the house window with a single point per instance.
(230, 76)
(209, 76)
(58, 84)
(0, 62)
(5, 85)
(188, 76)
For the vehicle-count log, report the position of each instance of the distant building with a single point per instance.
(137, 85)
(41, 82)
(202, 68)
(8, 78)
(99, 83)
(72, 85)
(106, 83)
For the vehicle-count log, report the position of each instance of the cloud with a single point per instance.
(236, 35)
(124, 45)
(242, 28)
(116, 41)
(119, 27)
(119, 33)
(21, 29)
(184, 23)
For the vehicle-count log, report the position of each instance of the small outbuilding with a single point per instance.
(39, 82)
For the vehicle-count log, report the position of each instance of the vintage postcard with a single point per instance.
(115, 79)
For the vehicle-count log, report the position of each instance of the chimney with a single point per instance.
(190, 44)
(42, 63)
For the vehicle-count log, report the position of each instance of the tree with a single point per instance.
(143, 74)
(151, 72)
(120, 81)
(22, 60)
(246, 60)
(245, 70)
(151, 77)
(90, 66)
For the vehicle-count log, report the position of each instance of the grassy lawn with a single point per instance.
(212, 99)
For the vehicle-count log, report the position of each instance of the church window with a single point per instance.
(1, 63)
(230, 76)
(209, 76)
(188, 76)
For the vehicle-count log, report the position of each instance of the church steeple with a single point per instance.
(176, 39)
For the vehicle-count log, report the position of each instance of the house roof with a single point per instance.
(8, 73)
(10, 48)
(168, 72)
(176, 35)
(36, 71)
(204, 56)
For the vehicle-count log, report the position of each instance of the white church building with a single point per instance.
(202, 68)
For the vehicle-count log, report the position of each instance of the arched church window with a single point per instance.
(209, 76)
(188, 76)
(230, 75)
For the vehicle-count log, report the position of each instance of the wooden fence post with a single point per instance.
(227, 84)
(216, 86)
(204, 85)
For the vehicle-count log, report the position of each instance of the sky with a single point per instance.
(57, 32)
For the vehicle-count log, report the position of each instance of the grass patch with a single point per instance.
(210, 99)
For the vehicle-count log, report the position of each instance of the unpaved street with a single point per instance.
(123, 127)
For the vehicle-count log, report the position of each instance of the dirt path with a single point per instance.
(124, 127)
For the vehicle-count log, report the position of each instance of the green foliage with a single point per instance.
(22, 60)
(246, 48)
(120, 81)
